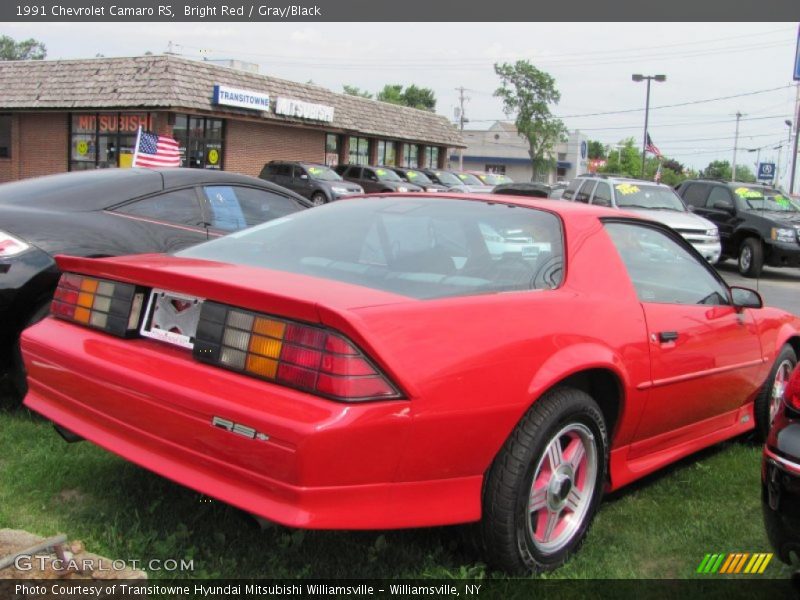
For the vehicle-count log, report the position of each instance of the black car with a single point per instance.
(419, 178)
(780, 474)
(376, 179)
(757, 225)
(319, 183)
(533, 189)
(111, 212)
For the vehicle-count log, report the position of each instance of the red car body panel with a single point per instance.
(469, 368)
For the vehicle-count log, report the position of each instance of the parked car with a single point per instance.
(110, 212)
(533, 189)
(492, 179)
(758, 226)
(319, 183)
(370, 364)
(652, 200)
(419, 178)
(780, 473)
(454, 183)
(376, 179)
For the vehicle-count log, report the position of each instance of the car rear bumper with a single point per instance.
(781, 502)
(316, 463)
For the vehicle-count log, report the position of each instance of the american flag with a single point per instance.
(156, 151)
(651, 147)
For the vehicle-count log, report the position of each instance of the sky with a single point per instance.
(592, 64)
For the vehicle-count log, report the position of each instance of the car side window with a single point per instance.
(299, 172)
(272, 169)
(569, 193)
(354, 172)
(585, 191)
(231, 208)
(177, 206)
(602, 194)
(718, 197)
(662, 270)
(695, 195)
(369, 174)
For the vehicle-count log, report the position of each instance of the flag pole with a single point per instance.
(136, 147)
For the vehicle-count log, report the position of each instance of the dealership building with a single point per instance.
(68, 115)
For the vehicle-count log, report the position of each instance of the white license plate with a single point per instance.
(172, 318)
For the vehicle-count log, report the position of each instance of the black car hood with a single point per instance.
(789, 218)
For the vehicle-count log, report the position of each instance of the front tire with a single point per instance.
(770, 398)
(318, 199)
(751, 257)
(543, 488)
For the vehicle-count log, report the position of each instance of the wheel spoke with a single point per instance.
(554, 454)
(574, 499)
(575, 453)
(538, 500)
(550, 525)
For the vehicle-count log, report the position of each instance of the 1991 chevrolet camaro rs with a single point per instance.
(398, 361)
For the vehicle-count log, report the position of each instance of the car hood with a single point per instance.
(674, 218)
(788, 218)
(348, 185)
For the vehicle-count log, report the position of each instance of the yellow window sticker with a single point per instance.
(314, 170)
(411, 174)
(380, 172)
(627, 188)
(744, 192)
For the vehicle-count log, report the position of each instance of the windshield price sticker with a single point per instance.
(748, 193)
(627, 188)
(314, 170)
(380, 172)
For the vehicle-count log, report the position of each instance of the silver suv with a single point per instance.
(653, 200)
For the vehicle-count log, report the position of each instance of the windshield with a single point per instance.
(447, 178)
(387, 175)
(417, 177)
(415, 247)
(323, 173)
(492, 179)
(638, 195)
(469, 179)
(765, 199)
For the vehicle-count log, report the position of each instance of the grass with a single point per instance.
(660, 527)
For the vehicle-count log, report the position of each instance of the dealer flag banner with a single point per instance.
(155, 151)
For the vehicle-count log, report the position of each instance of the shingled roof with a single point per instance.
(168, 81)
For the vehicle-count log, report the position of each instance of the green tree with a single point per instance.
(717, 169)
(527, 94)
(743, 173)
(626, 160)
(352, 90)
(596, 150)
(419, 97)
(392, 93)
(29, 49)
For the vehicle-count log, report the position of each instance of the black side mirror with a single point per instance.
(722, 205)
(746, 298)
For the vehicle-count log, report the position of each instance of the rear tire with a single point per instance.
(544, 486)
(770, 398)
(751, 257)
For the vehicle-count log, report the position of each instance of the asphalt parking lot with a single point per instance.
(778, 287)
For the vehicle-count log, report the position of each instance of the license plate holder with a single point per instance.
(172, 318)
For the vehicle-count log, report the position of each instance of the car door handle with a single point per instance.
(667, 336)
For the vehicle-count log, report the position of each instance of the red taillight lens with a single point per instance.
(302, 356)
(791, 394)
(112, 306)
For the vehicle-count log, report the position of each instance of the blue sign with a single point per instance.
(797, 57)
(229, 96)
(766, 171)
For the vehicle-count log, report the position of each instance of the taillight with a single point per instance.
(11, 246)
(294, 354)
(791, 394)
(112, 306)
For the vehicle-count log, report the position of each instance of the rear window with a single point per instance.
(421, 248)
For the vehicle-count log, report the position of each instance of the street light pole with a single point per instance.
(796, 135)
(639, 77)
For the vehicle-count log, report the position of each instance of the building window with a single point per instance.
(386, 153)
(562, 156)
(431, 157)
(104, 140)
(498, 169)
(410, 156)
(5, 136)
(331, 149)
(359, 151)
(200, 140)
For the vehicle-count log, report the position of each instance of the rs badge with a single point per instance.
(239, 429)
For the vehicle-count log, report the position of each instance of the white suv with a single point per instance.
(654, 200)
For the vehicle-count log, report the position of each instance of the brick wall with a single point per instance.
(248, 145)
(38, 146)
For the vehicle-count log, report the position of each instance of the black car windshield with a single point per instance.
(416, 247)
(765, 199)
(323, 173)
(638, 195)
(447, 178)
(387, 175)
(417, 177)
(469, 179)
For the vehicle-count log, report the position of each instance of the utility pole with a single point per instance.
(461, 120)
(639, 77)
(796, 135)
(735, 146)
(777, 180)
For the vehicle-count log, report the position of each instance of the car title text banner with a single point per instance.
(422, 10)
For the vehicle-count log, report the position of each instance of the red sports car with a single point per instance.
(396, 362)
